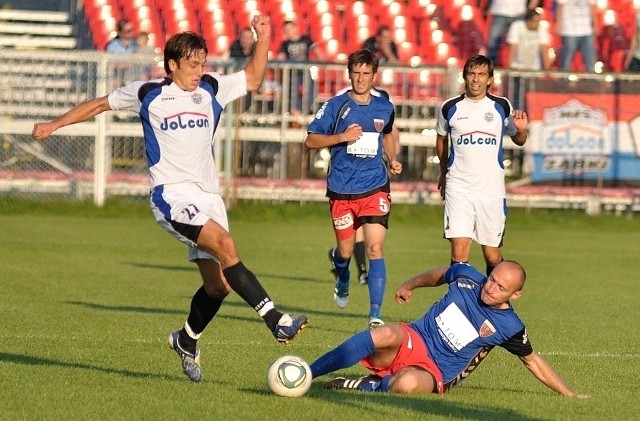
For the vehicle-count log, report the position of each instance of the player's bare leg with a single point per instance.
(460, 249)
(492, 256)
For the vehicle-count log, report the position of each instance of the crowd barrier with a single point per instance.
(259, 142)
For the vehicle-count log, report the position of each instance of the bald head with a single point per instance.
(503, 284)
(512, 272)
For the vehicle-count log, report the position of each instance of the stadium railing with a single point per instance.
(259, 142)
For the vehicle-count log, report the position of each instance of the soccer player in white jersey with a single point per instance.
(440, 349)
(179, 116)
(470, 131)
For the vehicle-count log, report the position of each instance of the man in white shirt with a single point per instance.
(502, 14)
(179, 115)
(529, 43)
(576, 25)
(528, 50)
(470, 130)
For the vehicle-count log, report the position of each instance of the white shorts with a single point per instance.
(183, 209)
(481, 218)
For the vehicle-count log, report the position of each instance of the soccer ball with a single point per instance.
(289, 376)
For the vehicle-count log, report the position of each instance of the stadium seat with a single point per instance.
(102, 17)
(469, 42)
(143, 15)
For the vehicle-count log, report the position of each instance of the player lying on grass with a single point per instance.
(440, 349)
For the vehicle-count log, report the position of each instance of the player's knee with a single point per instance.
(411, 380)
(387, 336)
(405, 383)
(374, 250)
(345, 253)
(217, 290)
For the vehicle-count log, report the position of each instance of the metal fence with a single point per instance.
(259, 143)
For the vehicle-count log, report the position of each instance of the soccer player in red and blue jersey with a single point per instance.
(440, 349)
(357, 128)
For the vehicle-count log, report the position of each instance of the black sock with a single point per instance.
(453, 262)
(186, 342)
(361, 257)
(203, 309)
(247, 286)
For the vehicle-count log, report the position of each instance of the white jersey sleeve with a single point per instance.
(230, 87)
(125, 98)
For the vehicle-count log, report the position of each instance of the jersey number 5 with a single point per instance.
(383, 205)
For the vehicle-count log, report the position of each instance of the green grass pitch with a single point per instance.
(88, 296)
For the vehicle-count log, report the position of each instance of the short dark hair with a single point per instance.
(476, 61)
(362, 57)
(183, 45)
(121, 24)
(531, 13)
(382, 29)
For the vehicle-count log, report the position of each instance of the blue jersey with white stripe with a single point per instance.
(459, 326)
(356, 168)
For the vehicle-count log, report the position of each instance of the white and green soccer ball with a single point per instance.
(289, 376)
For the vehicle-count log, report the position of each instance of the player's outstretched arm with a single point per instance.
(256, 67)
(81, 112)
(541, 369)
(430, 278)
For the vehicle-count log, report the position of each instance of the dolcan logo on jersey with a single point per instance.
(196, 98)
(184, 121)
(378, 124)
(488, 117)
(477, 138)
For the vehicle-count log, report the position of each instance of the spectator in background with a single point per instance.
(382, 46)
(124, 41)
(143, 44)
(576, 25)
(528, 49)
(299, 48)
(144, 71)
(502, 14)
(242, 47)
(529, 43)
(632, 61)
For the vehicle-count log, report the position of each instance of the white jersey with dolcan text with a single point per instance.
(179, 125)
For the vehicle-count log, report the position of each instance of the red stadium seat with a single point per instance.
(102, 17)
